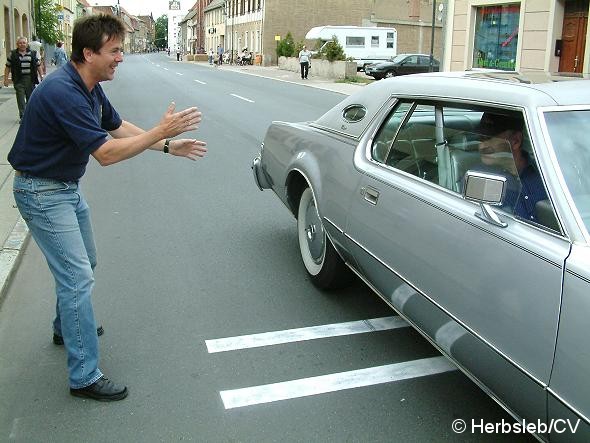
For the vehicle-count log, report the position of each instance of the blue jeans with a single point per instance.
(58, 218)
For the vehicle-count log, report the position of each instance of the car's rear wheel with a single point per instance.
(323, 264)
(390, 74)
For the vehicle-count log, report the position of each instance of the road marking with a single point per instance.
(303, 334)
(199, 81)
(242, 98)
(178, 73)
(305, 387)
(166, 69)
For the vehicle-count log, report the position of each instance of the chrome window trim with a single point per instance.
(569, 199)
(334, 131)
(367, 149)
(470, 330)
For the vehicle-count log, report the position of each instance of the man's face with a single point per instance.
(22, 44)
(497, 151)
(107, 59)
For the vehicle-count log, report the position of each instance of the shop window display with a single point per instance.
(496, 37)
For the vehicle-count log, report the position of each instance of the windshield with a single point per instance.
(568, 131)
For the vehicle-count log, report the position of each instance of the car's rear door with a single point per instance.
(422, 246)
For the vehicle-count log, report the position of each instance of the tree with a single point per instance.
(161, 40)
(333, 50)
(47, 25)
(286, 47)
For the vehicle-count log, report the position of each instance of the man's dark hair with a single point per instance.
(492, 124)
(90, 32)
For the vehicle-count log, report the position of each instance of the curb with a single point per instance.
(11, 254)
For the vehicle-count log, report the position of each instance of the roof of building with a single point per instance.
(215, 4)
(189, 15)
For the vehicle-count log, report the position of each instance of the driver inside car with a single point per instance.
(501, 150)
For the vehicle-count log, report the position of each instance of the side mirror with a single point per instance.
(487, 190)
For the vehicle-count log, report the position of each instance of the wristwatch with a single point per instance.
(166, 146)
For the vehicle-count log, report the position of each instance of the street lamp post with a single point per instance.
(431, 66)
(231, 36)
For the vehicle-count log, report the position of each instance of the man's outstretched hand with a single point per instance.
(189, 148)
(176, 123)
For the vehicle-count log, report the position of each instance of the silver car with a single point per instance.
(463, 200)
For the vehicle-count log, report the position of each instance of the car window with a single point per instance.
(413, 149)
(470, 138)
(384, 138)
(425, 60)
(411, 60)
(567, 130)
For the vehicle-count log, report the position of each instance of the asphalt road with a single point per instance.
(193, 252)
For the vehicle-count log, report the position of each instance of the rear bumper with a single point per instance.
(260, 178)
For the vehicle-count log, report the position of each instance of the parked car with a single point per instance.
(480, 239)
(402, 64)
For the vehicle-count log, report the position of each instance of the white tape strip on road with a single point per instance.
(305, 387)
(242, 98)
(199, 81)
(302, 334)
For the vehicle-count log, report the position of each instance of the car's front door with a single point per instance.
(408, 66)
(413, 232)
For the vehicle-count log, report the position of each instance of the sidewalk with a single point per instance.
(290, 77)
(13, 230)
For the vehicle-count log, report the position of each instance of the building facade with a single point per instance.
(215, 25)
(175, 16)
(17, 21)
(150, 30)
(521, 35)
(257, 24)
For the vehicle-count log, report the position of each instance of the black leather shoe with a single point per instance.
(102, 390)
(59, 340)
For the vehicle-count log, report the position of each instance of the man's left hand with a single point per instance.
(188, 147)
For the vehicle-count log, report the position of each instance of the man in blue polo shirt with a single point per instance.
(68, 119)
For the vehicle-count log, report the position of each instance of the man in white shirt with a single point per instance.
(37, 46)
(304, 60)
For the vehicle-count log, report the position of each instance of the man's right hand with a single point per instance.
(175, 123)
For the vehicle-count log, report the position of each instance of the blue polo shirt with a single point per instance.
(62, 125)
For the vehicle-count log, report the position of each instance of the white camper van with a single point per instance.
(365, 45)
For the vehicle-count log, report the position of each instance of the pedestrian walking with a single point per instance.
(220, 54)
(60, 57)
(211, 55)
(25, 69)
(68, 119)
(37, 46)
(178, 55)
(304, 61)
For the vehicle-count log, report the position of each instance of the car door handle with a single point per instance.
(370, 194)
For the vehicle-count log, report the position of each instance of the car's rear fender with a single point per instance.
(290, 158)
